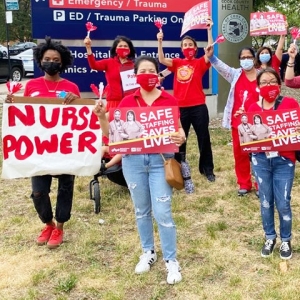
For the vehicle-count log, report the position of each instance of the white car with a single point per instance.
(27, 58)
(3, 50)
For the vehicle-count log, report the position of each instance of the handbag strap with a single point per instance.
(163, 157)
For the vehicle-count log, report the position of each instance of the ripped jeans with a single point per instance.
(145, 177)
(40, 196)
(275, 178)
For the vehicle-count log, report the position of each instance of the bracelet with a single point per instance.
(291, 66)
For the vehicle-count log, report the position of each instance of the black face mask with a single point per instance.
(51, 68)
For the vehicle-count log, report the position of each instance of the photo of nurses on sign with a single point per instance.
(142, 130)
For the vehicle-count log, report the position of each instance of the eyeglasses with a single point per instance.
(246, 57)
(271, 82)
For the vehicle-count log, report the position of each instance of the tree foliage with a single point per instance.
(20, 29)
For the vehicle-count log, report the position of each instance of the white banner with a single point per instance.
(40, 139)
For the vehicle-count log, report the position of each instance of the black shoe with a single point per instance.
(268, 248)
(211, 177)
(285, 250)
(242, 192)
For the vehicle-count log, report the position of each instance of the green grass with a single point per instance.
(219, 241)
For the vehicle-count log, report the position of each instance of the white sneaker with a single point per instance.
(174, 274)
(146, 260)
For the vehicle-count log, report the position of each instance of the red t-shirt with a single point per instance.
(275, 64)
(247, 88)
(112, 68)
(40, 87)
(136, 100)
(188, 75)
(286, 103)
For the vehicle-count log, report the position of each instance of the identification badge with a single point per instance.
(272, 154)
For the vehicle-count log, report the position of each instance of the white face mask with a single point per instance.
(247, 64)
(264, 58)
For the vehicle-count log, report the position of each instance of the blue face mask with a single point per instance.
(246, 64)
(264, 58)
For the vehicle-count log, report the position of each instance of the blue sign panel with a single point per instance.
(12, 4)
(60, 21)
(138, 25)
(81, 74)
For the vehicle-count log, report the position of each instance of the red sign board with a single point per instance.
(267, 23)
(195, 18)
(270, 131)
(142, 130)
(133, 5)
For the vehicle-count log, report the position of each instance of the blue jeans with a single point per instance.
(145, 177)
(275, 178)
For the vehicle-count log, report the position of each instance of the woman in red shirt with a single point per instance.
(145, 175)
(188, 74)
(264, 57)
(122, 54)
(52, 58)
(274, 171)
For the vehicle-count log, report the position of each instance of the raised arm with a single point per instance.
(161, 57)
(280, 46)
(100, 111)
(209, 35)
(289, 72)
(223, 69)
(88, 45)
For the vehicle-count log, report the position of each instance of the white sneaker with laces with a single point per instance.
(146, 260)
(174, 274)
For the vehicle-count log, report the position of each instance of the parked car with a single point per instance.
(27, 58)
(16, 69)
(19, 47)
(3, 50)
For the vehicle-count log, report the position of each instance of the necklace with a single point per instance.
(55, 88)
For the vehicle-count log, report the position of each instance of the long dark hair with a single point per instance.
(117, 40)
(65, 53)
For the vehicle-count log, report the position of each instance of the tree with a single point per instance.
(21, 26)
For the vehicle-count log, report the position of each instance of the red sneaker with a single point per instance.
(56, 239)
(45, 235)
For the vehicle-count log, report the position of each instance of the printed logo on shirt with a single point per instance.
(184, 74)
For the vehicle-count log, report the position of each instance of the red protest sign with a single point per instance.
(267, 23)
(270, 131)
(196, 17)
(142, 130)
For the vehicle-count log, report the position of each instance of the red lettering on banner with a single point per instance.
(14, 112)
(10, 144)
(86, 139)
(65, 143)
(69, 113)
(54, 117)
(94, 122)
(49, 146)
